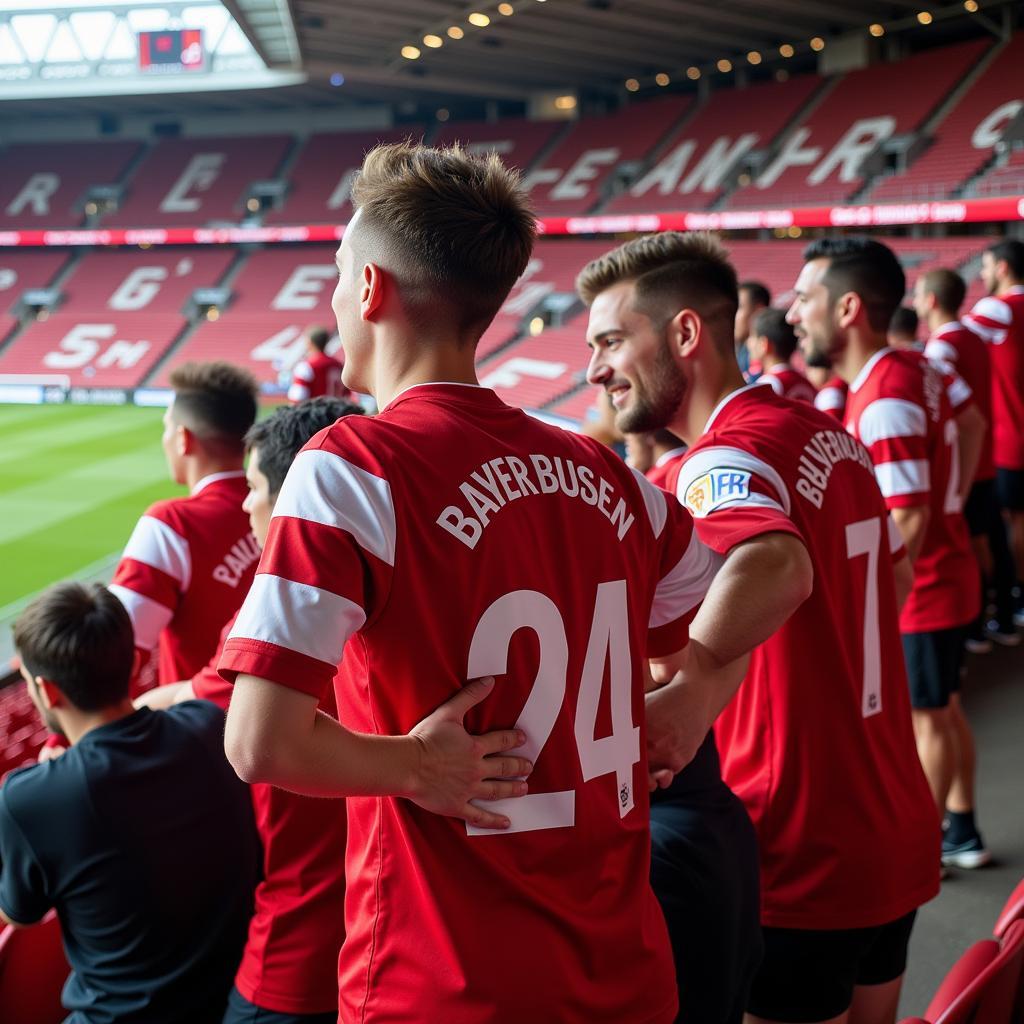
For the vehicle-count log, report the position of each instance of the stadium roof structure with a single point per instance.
(362, 52)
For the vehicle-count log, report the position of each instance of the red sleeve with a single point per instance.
(208, 683)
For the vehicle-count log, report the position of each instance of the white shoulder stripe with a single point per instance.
(959, 391)
(828, 399)
(654, 499)
(298, 617)
(993, 335)
(325, 488)
(724, 457)
(941, 351)
(683, 587)
(774, 383)
(909, 476)
(993, 309)
(155, 543)
(148, 617)
(891, 417)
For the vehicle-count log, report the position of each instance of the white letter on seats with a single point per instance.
(342, 190)
(791, 155)
(586, 168)
(717, 162)
(138, 289)
(667, 172)
(860, 139)
(78, 346)
(200, 173)
(36, 192)
(303, 289)
(990, 131)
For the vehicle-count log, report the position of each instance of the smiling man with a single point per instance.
(790, 500)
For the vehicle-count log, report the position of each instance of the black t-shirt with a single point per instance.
(142, 838)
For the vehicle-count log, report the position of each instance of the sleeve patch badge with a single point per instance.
(715, 489)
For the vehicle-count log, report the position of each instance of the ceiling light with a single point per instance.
(443, 114)
(924, 17)
(877, 30)
(337, 79)
(433, 41)
(693, 74)
(410, 52)
(565, 102)
(970, 6)
(786, 50)
(506, 9)
(478, 19)
(632, 84)
(754, 57)
(724, 65)
(817, 44)
(455, 32)
(662, 79)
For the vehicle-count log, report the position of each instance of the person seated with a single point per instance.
(140, 835)
(772, 343)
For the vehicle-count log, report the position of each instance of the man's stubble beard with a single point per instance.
(663, 393)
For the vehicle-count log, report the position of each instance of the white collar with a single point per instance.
(858, 381)
(1017, 289)
(670, 455)
(759, 383)
(212, 478)
(953, 325)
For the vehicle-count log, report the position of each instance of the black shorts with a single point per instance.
(1010, 489)
(810, 975)
(933, 665)
(980, 507)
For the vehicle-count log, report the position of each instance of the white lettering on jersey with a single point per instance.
(990, 131)
(139, 288)
(821, 455)
(242, 554)
(200, 173)
(305, 286)
(507, 478)
(36, 193)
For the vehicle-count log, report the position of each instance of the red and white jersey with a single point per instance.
(900, 409)
(658, 473)
(957, 350)
(184, 572)
(290, 961)
(452, 537)
(1000, 322)
(831, 398)
(840, 848)
(789, 383)
(315, 376)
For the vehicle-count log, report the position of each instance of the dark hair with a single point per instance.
(281, 437)
(1012, 251)
(80, 638)
(672, 270)
(904, 321)
(947, 286)
(453, 228)
(759, 294)
(866, 267)
(318, 337)
(771, 324)
(216, 402)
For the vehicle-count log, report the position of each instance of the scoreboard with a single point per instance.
(171, 51)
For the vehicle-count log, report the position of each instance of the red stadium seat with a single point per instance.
(570, 178)
(19, 271)
(983, 985)
(693, 164)
(1013, 910)
(33, 970)
(517, 142)
(819, 159)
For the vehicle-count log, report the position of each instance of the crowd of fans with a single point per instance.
(527, 731)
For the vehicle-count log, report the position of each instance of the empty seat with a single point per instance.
(33, 970)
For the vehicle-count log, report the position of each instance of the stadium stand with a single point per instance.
(966, 137)
(33, 969)
(818, 161)
(279, 292)
(319, 184)
(121, 311)
(197, 181)
(20, 727)
(701, 157)
(1007, 179)
(572, 178)
(20, 271)
(517, 142)
(44, 184)
(577, 405)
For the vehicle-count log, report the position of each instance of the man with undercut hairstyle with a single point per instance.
(772, 344)
(901, 408)
(190, 560)
(452, 536)
(317, 374)
(789, 499)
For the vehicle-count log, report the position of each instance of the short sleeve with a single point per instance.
(325, 570)
(23, 889)
(990, 319)
(733, 496)
(958, 391)
(208, 683)
(895, 432)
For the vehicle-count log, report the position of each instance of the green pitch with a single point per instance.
(73, 481)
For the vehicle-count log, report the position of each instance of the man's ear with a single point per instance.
(685, 331)
(849, 309)
(184, 440)
(50, 694)
(371, 293)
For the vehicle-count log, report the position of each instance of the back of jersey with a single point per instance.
(477, 541)
(818, 741)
